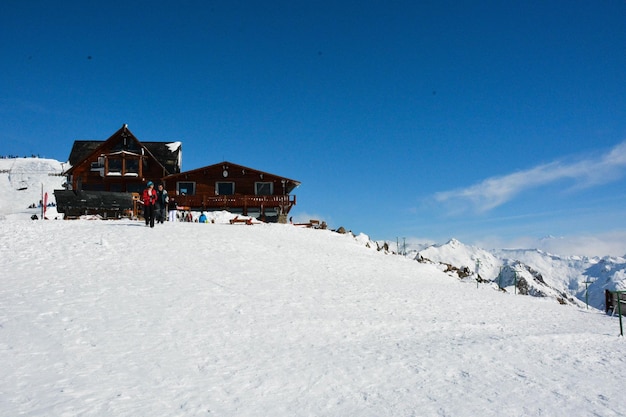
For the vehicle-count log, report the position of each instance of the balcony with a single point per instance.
(237, 201)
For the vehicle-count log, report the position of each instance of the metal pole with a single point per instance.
(619, 310)
(587, 292)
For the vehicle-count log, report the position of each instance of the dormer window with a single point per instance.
(115, 166)
(132, 166)
(122, 164)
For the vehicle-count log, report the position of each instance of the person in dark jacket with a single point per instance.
(149, 198)
(161, 203)
(172, 209)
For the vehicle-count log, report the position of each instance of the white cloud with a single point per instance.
(617, 156)
(496, 191)
(602, 244)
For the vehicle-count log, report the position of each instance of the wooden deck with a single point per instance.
(204, 202)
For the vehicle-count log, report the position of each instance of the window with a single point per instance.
(224, 188)
(118, 164)
(132, 166)
(186, 188)
(264, 188)
(115, 165)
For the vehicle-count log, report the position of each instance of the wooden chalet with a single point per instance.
(123, 165)
(235, 188)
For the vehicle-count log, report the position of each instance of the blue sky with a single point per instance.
(496, 123)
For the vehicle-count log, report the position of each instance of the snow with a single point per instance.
(576, 279)
(112, 318)
(22, 183)
(174, 146)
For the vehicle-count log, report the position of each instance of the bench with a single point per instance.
(236, 220)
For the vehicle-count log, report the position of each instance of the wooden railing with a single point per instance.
(235, 201)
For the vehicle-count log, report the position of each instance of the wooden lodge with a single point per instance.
(235, 188)
(123, 164)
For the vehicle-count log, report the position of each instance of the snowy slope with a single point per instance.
(22, 181)
(110, 318)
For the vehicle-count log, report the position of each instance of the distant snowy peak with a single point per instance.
(506, 270)
(567, 279)
(456, 256)
(454, 243)
(458, 253)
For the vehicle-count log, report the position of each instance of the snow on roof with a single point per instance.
(174, 146)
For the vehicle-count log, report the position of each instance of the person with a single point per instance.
(161, 203)
(149, 199)
(172, 210)
(202, 218)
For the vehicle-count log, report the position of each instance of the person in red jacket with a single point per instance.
(149, 200)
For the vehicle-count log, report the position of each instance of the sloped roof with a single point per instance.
(232, 166)
(165, 154)
(82, 149)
